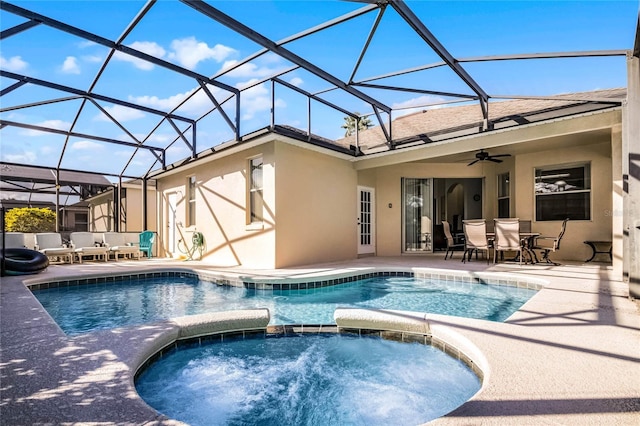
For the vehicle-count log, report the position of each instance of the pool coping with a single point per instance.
(36, 357)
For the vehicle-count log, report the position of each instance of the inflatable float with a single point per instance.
(18, 261)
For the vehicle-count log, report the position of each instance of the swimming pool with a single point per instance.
(315, 379)
(82, 308)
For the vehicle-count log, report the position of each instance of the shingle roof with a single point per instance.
(431, 125)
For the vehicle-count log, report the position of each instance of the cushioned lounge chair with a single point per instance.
(84, 245)
(13, 240)
(50, 244)
(117, 245)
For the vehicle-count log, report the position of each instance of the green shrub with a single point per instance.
(28, 219)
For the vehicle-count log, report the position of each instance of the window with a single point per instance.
(191, 201)
(416, 214)
(503, 195)
(255, 190)
(563, 192)
(81, 221)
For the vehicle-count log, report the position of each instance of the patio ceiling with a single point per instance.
(211, 110)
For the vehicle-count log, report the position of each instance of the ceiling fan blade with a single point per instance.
(473, 162)
(501, 155)
(494, 160)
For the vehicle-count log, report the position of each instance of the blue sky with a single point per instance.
(176, 33)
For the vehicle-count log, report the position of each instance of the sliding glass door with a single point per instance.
(417, 210)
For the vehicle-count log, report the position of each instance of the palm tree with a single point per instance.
(350, 124)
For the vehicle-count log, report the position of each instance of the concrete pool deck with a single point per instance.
(569, 356)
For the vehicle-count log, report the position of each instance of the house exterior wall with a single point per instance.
(134, 221)
(389, 191)
(221, 209)
(309, 208)
(599, 227)
(310, 196)
(101, 213)
(316, 203)
(521, 168)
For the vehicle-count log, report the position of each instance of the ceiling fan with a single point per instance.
(485, 156)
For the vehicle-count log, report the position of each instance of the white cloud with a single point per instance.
(51, 124)
(198, 104)
(296, 81)
(249, 70)
(47, 150)
(27, 157)
(418, 102)
(15, 63)
(120, 113)
(85, 145)
(86, 43)
(189, 52)
(92, 58)
(148, 47)
(257, 99)
(70, 65)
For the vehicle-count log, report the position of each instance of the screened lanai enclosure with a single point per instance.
(99, 101)
(130, 91)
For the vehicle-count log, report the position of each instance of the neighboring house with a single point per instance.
(276, 200)
(70, 218)
(129, 217)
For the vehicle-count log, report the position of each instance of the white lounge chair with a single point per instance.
(84, 244)
(13, 240)
(117, 245)
(50, 244)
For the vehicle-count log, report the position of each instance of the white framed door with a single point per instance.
(366, 220)
(172, 205)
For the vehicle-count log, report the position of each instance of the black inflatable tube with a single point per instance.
(19, 261)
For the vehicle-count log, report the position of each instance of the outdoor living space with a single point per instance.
(188, 184)
(568, 356)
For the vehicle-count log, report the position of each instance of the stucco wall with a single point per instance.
(521, 167)
(600, 226)
(389, 191)
(316, 204)
(135, 213)
(221, 200)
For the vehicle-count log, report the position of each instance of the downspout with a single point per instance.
(144, 204)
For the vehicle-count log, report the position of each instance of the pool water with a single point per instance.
(307, 380)
(84, 308)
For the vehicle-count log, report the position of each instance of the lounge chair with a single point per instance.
(507, 238)
(546, 245)
(147, 238)
(452, 245)
(117, 245)
(475, 238)
(84, 244)
(50, 244)
(13, 240)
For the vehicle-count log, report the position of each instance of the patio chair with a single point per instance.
(117, 245)
(84, 244)
(547, 245)
(507, 238)
(147, 238)
(50, 244)
(13, 240)
(452, 245)
(475, 237)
